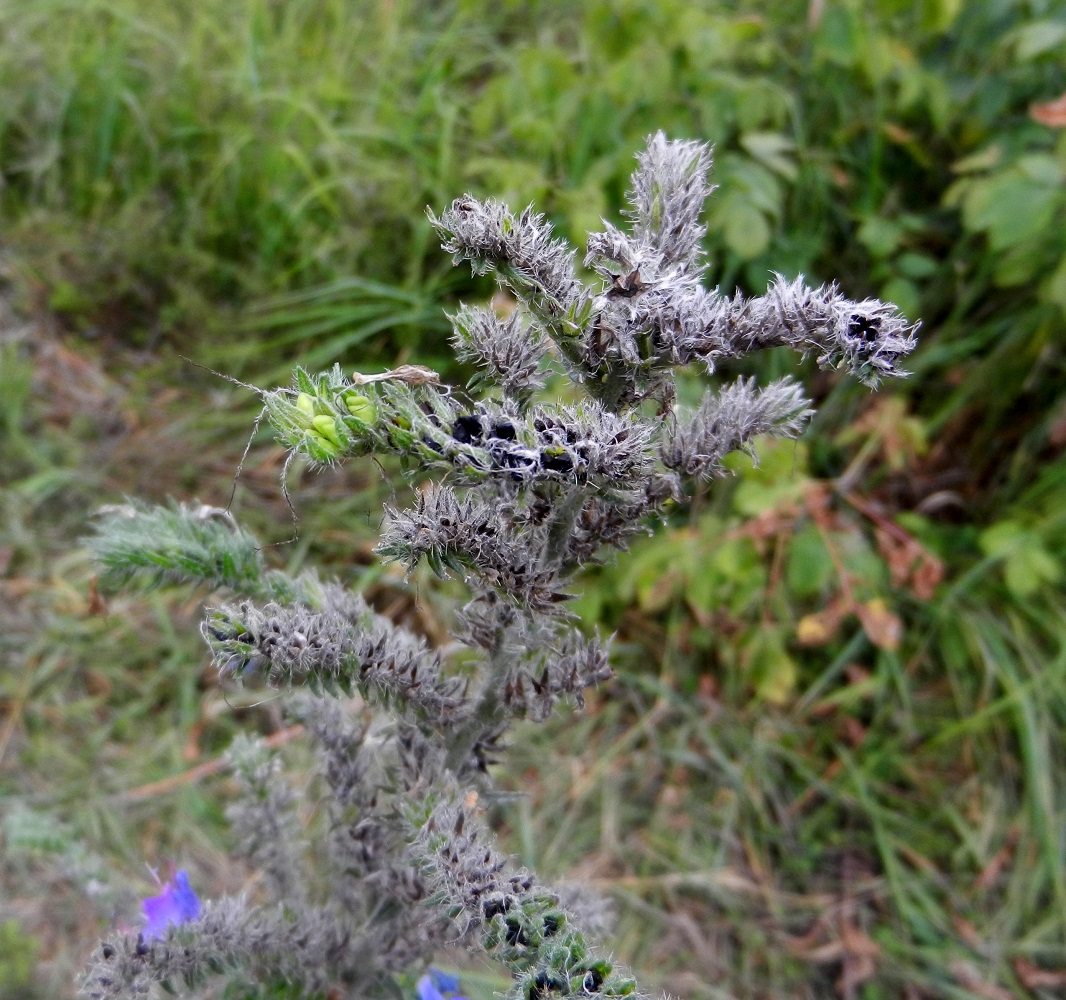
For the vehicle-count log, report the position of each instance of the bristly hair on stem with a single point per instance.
(515, 494)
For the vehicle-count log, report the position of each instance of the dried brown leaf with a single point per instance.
(882, 627)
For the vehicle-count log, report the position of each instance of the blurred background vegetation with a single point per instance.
(833, 761)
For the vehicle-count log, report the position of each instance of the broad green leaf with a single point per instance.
(1018, 266)
(1002, 538)
(916, 265)
(1011, 207)
(771, 670)
(745, 229)
(904, 294)
(866, 568)
(1054, 289)
(1042, 168)
(880, 236)
(809, 567)
(773, 150)
(1037, 37)
(838, 37)
(939, 15)
(1028, 568)
(1027, 565)
(778, 478)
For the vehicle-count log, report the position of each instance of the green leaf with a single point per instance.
(905, 294)
(304, 381)
(1043, 168)
(939, 15)
(1037, 37)
(1029, 568)
(809, 567)
(773, 150)
(1012, 207)
(1002, 538)
(1054, 289)
(838, 38)
(880, 236)
(916, 265)
(772, 671)
(745, 229)
(1027, 565)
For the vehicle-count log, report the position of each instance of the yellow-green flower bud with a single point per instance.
(361, 407)
(319, 448)
(327, 427)
(305, 404)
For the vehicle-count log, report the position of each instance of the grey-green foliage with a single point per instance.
(524, 494)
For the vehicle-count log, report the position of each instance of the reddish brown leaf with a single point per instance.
(968, 933)
(990, 875)
(1050, 113)
(854, 731)
(1032, 977)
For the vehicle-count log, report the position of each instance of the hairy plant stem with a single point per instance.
(562, 526)
(487, 707)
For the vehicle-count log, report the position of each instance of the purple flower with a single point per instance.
(436, 984)
(176, 904)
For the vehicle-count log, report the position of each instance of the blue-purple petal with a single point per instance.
(176, 904)
(427, 991)
(444, 981)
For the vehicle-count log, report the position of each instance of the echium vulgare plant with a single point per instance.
(519, 494)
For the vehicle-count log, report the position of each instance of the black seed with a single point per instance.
(432, 445)
(467, 429)
(863, 327)
(515, 460)
(515, 935)
(504, 430)
(557, 463)
(593, 981)
(551, 926)
(492, 907)
(108, 950)
(542, 984)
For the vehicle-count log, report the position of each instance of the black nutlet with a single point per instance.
(467, 429)
(863, 327)
(557, 463)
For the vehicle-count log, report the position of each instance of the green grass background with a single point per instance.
(832, 762)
